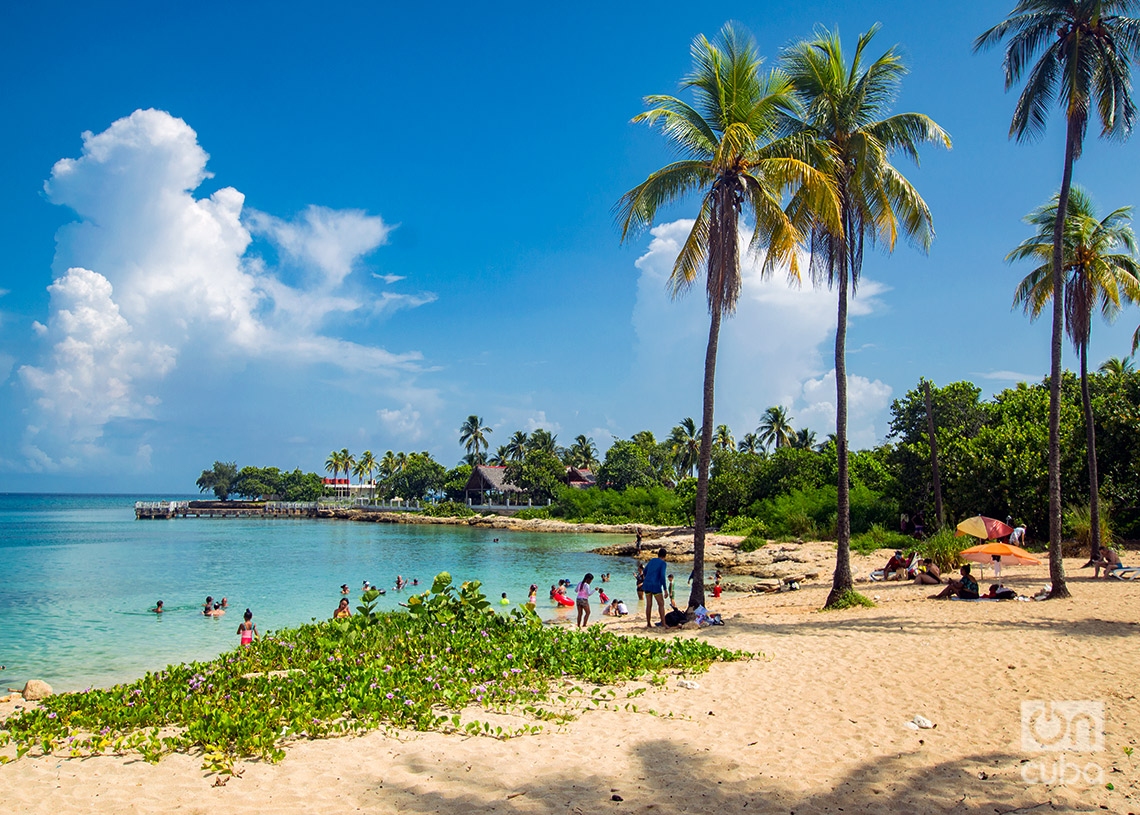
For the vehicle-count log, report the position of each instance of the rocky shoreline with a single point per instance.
(501, 522)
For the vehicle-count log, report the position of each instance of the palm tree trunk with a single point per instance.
(697, 593)
(1056, 565)
(933, 456)
(842, 582)
(1090, 440)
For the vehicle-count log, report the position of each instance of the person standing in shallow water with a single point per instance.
(654, 587)
(583, 600)
(247, 630)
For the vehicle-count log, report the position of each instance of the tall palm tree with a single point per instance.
(332, 465)
(723, 439)
(685, 446)
(775, 427)
(750, 443)
(516, 446)
(502, 456)
(1086, 47)
(388, 464)
(583, 453)
(347, 462)
(842, 104)
(731, 155)
(1093, 273)
(473, 436)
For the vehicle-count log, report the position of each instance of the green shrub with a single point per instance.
(879, 538)
(1077, 525)
(850, 599)
(447, 509)
(739, 525)
(638, 505)
(945, 549)
(756, 538)
(811, 513)
(533, 513)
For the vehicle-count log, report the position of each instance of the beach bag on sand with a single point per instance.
(674, 618)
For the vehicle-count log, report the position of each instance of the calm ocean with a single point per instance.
(78, 573)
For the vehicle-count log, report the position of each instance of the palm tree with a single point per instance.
(516, 446)
(1118, 369)
(750, 443)
(729, 152)
(842, 105)
(1086, 47)
(722, 439)
(332, 465)
(365, 466)
(775, 428)
(502, 456)
(388, 464)
(685, 446)
(347, 462)
(1093, 273)
(583, 453)
(544, 441)
(472, 435)
(804, 439)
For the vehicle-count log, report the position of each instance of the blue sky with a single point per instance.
(264, 231)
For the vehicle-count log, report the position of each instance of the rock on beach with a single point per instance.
(36, 689)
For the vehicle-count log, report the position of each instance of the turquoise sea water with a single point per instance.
(78, 573)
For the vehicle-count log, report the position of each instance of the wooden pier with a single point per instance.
(153, 510)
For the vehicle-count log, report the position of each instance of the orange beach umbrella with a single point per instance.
(982, 527)
(997, 552)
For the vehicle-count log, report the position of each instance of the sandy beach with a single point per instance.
(816, 724)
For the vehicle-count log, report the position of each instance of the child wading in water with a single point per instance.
(247, 629)
(583, 602)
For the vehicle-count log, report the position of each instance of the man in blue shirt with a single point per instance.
(654, 586)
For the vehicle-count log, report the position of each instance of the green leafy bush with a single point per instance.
(447, 509)
(879, 538)
(1077, 525)
(810, 513)
(739, 525)
(644, 505)
(756, 538)
(533, 513)
(416, 670)
(945, 549)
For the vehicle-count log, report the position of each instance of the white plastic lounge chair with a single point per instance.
(1126, 572)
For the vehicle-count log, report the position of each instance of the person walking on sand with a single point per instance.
(583, 601)
(247, 630)
(654, 587)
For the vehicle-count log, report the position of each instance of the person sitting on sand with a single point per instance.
(896, 567)
(654, 587)
(1109, 561)
(965, 587)
(342, 610)
(611, 609)
(929, 574)
(157, 607)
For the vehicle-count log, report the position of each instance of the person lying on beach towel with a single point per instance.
(965, 587)
(997, 592)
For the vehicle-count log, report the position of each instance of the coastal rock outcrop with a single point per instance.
(36, 689)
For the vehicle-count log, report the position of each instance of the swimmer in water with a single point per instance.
(157, 607)
(218, 611)
(208, 605)
(344, 588)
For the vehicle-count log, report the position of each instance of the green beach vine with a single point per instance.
(424, 669)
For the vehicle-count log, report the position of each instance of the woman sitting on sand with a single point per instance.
(929, 574)
(965, 587)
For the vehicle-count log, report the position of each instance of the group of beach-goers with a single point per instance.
(217, 608)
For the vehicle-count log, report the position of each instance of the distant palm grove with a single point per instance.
(794, 165)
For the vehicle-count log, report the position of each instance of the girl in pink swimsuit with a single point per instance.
(247, 629)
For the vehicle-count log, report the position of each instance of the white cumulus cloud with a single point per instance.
(148, 272)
